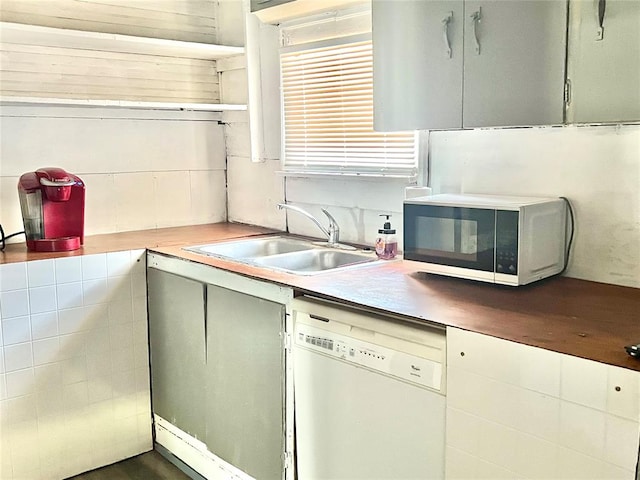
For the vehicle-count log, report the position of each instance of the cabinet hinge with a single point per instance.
(567, 92)
(287, 341)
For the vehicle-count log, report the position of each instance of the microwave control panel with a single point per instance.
(507, 242)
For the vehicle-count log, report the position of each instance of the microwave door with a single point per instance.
(451, 236)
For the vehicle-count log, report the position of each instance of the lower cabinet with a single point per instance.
(218, 368)
(244, 409)
(178, 354)
(515, 411)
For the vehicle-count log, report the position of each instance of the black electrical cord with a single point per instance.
(4, 237)
(566, 259)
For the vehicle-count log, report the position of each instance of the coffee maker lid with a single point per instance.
(54, 177)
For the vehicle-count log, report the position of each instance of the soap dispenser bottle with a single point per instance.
(386, 243)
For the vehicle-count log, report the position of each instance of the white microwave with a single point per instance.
(497, 239)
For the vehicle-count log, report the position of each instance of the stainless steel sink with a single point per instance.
(314, 261)
(251, 248)
(292, 255)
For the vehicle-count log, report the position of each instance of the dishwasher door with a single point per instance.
(369, 401)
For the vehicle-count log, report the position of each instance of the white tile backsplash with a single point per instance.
(134, 189)
(71, 320)
(539, 415)
(3, 396)
(94, 266)
(74, 370)
(17, 357)
(120, 312)
(16, 330)
(171, 209)
(44, 325)
(100, 389)
(540, 371)
(584, 382)
(118, 263)
(98, 365)
(623, 393)
(48, 376)
(46, 350)
(119, 288)
(621, 442)
(14, 303)
(20, 382)
(138, 262)
(98, 340)
(73, 364)
(41, 273)
(13, 276)
(69, 295)
(43, 299)
(572, 418)
(535, 457)
(68, 269)
(95, 291)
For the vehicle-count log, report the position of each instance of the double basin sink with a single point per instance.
(291, 255)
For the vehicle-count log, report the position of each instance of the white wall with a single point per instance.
(142, 169)
(596, 167)
(253, 189)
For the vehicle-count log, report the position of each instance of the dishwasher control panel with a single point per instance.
(370, 355)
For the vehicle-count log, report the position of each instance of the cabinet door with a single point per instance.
(514, 57)
(604, 74)
(417, 64)
(177, 348)
(245, 382)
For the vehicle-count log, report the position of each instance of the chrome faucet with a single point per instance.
(332, 233)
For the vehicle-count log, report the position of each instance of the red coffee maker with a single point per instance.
(52, 204)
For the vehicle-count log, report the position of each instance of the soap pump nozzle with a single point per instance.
(386, 228)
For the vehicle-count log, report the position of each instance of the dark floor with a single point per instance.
(148, 466)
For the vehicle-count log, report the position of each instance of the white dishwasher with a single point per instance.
(369, 395)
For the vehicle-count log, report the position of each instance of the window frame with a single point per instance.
(411, 173)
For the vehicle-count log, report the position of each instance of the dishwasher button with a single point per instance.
(352, 352)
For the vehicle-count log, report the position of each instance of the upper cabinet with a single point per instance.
(417, 64)
(603, 64)
(455, 64)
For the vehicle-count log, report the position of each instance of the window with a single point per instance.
(327, 100)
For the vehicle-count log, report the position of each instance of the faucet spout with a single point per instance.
(332, 233)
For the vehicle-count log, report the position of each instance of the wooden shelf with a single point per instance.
(72, 102)
(59, 37)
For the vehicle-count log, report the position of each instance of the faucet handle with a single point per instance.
(331, 219)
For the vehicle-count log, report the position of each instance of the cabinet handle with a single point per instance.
(475, 18)
(602, 6)
(445, 32)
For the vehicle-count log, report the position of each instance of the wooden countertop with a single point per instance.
(114, 242)
(576, 317)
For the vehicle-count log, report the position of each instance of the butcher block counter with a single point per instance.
(576, 317)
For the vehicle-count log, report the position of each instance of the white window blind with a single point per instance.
(327, 95)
